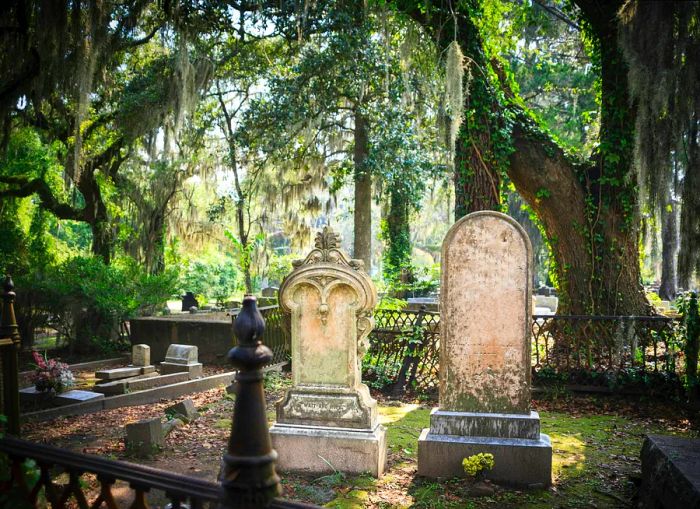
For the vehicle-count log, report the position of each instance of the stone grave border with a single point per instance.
(137, 398)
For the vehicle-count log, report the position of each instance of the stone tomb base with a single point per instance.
(313, 449)
(522, 455)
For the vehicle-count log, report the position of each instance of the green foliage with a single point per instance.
(688, 306)
(89, 300)
(211, 279)
(478, 463)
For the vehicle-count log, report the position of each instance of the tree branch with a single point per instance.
(27, 187)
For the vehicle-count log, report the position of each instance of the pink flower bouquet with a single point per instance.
(51, 375)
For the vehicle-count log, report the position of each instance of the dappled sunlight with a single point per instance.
(391, 414)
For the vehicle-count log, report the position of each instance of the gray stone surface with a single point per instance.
(144, 437)
(120, 373)
(77, 396)
(134, 398)
(181, 354)
(141, 355)
(185, 409)
(194, 370)
(485, 425)
(144, 382)
(517, 462)
(670, 472)
(321, 450)
(270, 291)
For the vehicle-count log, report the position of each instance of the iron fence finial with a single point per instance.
(249, 477)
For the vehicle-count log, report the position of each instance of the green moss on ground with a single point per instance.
(594, 460)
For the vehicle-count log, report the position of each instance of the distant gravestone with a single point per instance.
(140, 355)
(486, 302)
(189, 301)
(181, 358)
(270, 291)
(328, 421)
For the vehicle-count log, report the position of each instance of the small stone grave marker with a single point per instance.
(185, 409)
(144, 437)
(141, 355)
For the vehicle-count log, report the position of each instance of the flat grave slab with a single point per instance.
(77, 396)
(670, 472)
(119, 373)
(140, 383)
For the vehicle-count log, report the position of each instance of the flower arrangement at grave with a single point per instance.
(50, 374)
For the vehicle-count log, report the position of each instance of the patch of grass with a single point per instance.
(404, 424)
(223, 424)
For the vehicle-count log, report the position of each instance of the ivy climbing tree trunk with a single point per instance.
(362, 249)
(397, 233)
(477, 161)
(588, 210)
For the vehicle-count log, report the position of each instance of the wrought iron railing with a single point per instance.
(277, 336)
(586, 347)
(9, 348)
(404, 348)
(61, 479)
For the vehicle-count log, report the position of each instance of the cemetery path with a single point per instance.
(596, 443)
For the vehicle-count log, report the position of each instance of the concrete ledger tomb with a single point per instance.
(486, 304)
(327, 420)
(181, 358)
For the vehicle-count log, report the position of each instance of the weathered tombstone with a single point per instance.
(486, 303)
(328, 421)
(181, 358)
(144, 437)
(270, 291)
(189, 301)
(140, 355)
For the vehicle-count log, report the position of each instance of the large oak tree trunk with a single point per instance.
(588, 210)
(362, 246)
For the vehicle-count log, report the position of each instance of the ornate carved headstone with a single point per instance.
(485, 313)
(328, 416)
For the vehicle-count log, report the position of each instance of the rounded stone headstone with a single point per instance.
(485, 305)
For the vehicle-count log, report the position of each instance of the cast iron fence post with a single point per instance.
(10, 343)
(249, 477)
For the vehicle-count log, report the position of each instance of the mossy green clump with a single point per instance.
(223, 424)
(477, 463)
(355, 499)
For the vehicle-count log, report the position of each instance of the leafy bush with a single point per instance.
(87, 301)
(217, 280)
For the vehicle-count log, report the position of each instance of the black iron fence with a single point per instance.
(593, 350)
(9, 348)
(277, 336)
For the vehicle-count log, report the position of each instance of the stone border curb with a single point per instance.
(133, 398)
